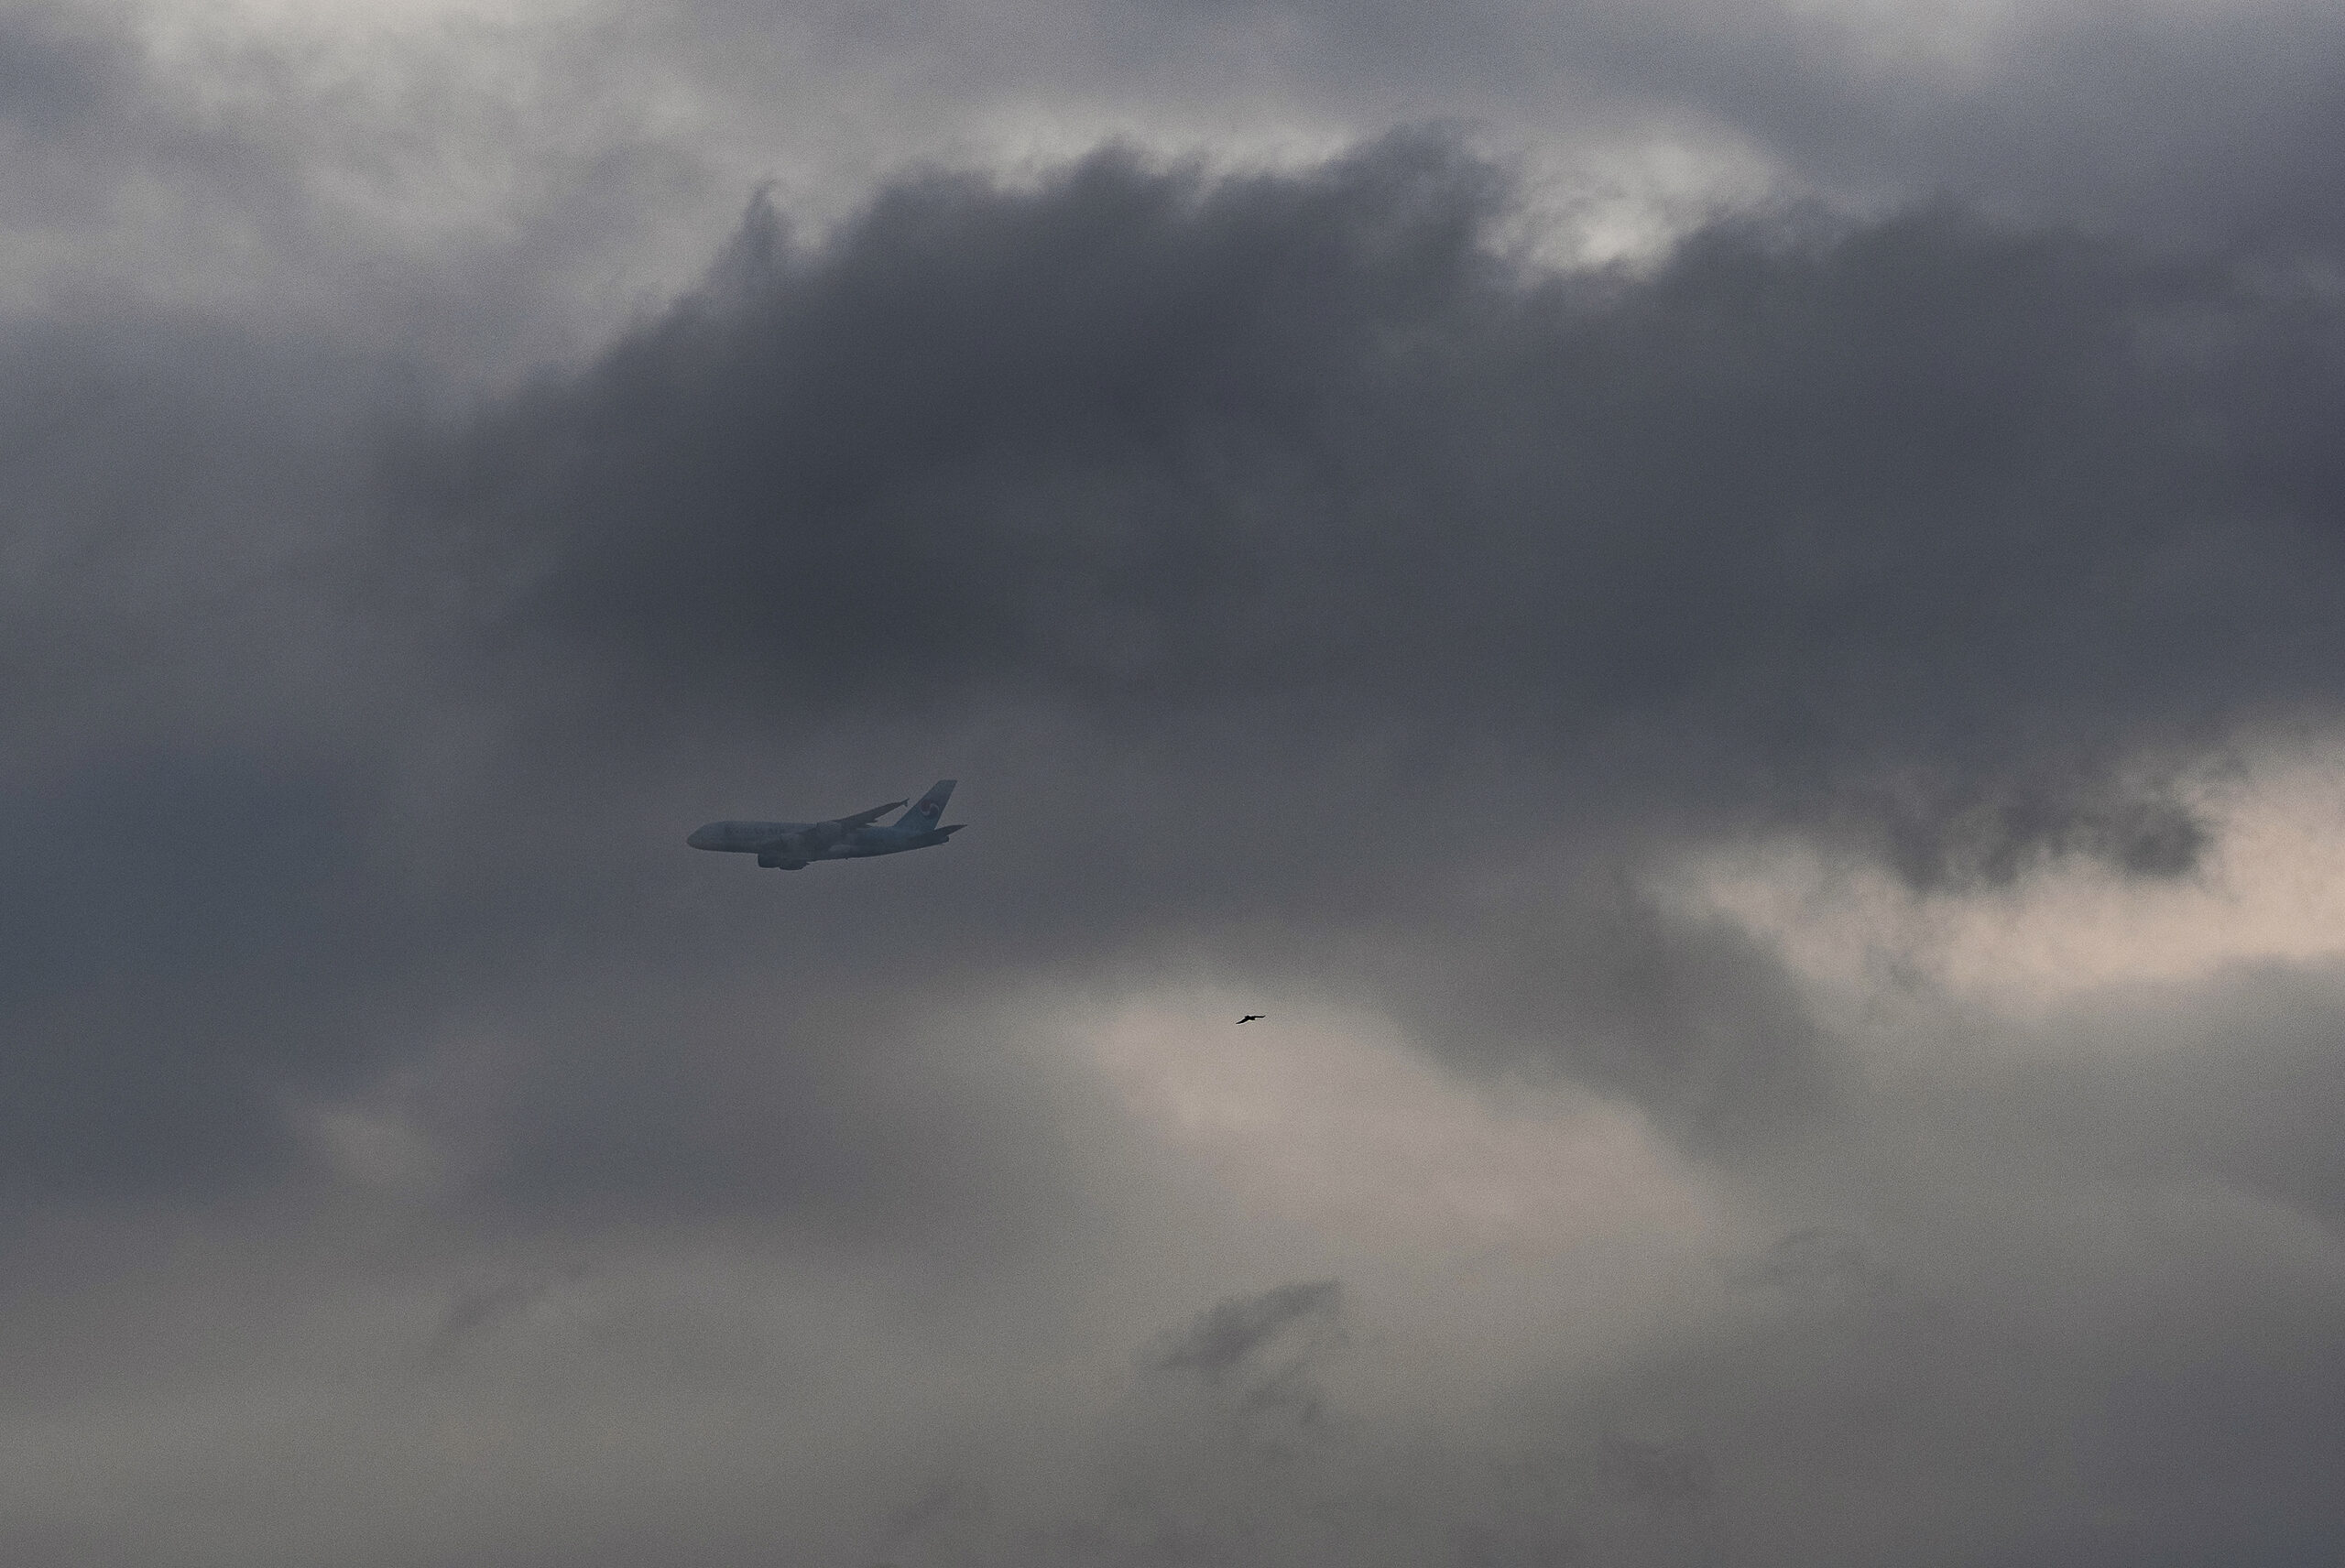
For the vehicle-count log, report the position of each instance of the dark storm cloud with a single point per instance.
(1957, 543)
(260, 844)
(1921, 527)
(108, 1085)
(1949, 539)
(193, 907)
(173, 488)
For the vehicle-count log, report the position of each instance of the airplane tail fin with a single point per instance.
(928, 808)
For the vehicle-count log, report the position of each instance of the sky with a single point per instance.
(1725, 615)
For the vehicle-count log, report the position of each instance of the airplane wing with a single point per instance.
(860, 819)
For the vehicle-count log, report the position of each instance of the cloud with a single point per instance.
(1660, 1475)
(1921, 524)
(1236, 1330)
(1953, 544)
(2170, 121)
(1325, 598)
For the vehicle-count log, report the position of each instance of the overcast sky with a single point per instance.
(1728, 614)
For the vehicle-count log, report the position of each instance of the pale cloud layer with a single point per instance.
(2270, 891)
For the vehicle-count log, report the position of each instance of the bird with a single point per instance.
(1250, 1017)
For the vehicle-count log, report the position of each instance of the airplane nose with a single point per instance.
(701, 838)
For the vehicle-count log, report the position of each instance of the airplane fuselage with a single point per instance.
(785, 842)
(791, 846)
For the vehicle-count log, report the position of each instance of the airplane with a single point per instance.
(1250, 1017)
(793, 846)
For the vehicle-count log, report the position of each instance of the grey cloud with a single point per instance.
(880, 1117)
(155, 1084)
(1817, 1263)
(478, 1309)
(1806, 512)
(1313, 593)
(2204, 128)
(58, 77)
(1957, 543)
(449, 198)
(1235, 1330)
(1950, 539)
(2198, 127)
(1301, 455)
(1664, 1476)
(2019, 823)
(2226, 1081)
(1693, 1020)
